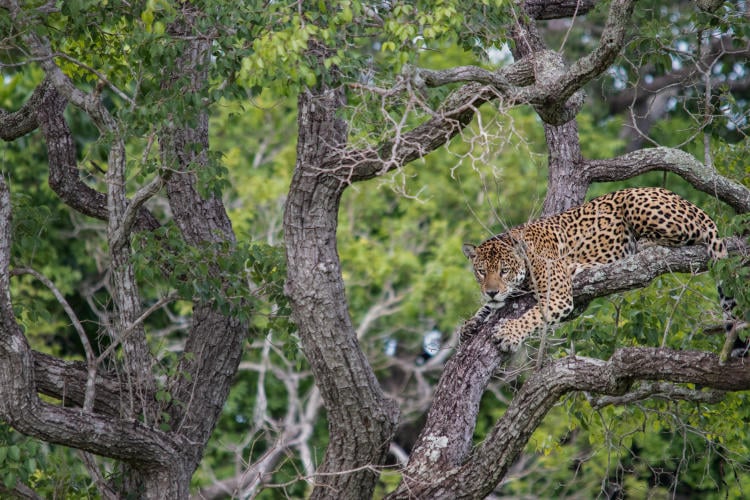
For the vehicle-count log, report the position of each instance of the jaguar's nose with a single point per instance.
(491, 293)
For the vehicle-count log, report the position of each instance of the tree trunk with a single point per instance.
(360, 419)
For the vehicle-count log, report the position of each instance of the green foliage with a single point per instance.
(224, 273)
(399, 238)
(393, 35)
(19, 457)
(654, 448)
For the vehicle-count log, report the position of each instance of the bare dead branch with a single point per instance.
(685, 76)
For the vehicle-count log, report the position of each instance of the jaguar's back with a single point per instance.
(606, 228)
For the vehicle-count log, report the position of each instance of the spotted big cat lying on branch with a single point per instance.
(542, 256)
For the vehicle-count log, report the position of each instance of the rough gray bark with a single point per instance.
(106, 414)
(361, 420)
(442, 463)
(685, 165)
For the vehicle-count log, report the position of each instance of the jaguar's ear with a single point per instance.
(469, 250)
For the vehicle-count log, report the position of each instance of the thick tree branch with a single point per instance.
(46, 111)
(88, 402)
(610, 43)
(553, 86)
(614, 377)
(213, 349)
(488, 464)
(446, 438)
(21, 407)
(361, 419)
(557, 9)
(637, 271)
(66, 381)
(507, 80)
(671, 160)
(23, 121)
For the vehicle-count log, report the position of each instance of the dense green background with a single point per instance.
(399, 236)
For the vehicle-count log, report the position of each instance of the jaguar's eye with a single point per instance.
(480, 273)
(504, 271)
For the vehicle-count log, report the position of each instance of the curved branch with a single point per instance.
(44, 110)
(447, 436)
(23, 121)
(671, 160)
(549, 95)
(543, 389)
(21, 407)
(491, 460)
(56, 90)
(507, 79)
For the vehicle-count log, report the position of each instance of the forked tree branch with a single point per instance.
(22, 408)
(549, 94)
(137, 359)
(446, 439)
(44, 110)
(543, 389)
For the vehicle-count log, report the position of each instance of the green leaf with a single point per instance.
(163, 396)
(9, 480)
(30, 465)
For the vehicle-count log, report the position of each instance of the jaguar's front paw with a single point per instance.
(505, 340)
(483, 313)
(468, 329)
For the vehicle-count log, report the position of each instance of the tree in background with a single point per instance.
(173, 290)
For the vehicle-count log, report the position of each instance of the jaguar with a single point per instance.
(542, 256)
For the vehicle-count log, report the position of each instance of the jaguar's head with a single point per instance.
(498, 267)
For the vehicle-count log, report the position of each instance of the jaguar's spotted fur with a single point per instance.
(543, 255)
